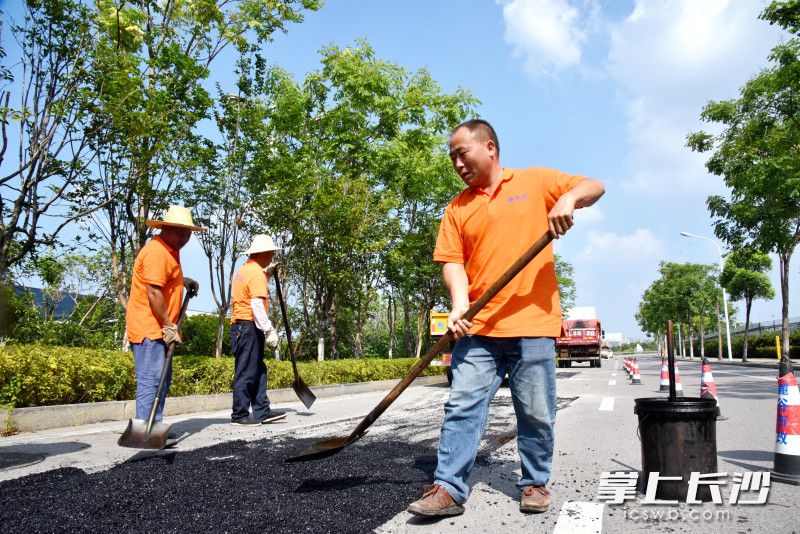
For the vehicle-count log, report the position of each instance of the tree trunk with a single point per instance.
(221, 316)
(320, 336)
(748, 302)
(681, 347)
(358, 343)
(702, 336)
(784, 265)
(409, 348)
(390, 311)
(691, 338)
(333, 326)
(719, 334)
(418, 347)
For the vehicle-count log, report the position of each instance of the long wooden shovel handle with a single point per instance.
(445, 340)
(279, 294)
(162, 381)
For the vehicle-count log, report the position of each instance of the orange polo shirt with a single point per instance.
(159, 265)
(488, 234)
(250, 282)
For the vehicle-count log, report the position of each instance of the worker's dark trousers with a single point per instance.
(250, 376)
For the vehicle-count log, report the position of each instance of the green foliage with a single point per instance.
(744, 278)
(200, 336)
(567, 291)
(758, 346)
(35, 375)
(756, 154)
(683, 292)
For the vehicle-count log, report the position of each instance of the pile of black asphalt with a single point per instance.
(231, 487)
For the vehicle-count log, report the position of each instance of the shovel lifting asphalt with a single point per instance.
(303, 391)
(152, 435)
(331, 446)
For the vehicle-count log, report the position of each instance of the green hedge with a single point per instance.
(758, 346)
(36, 375)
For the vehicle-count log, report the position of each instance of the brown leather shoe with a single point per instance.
(435, 502)
(534, 499)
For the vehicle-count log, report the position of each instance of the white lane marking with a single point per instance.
(613, 374)
(580, 518)
(607, 405)
(612, 382)
(774, 378)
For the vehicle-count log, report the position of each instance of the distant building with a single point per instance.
(614, 339)
(63, 308)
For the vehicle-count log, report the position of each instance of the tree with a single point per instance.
(567, 291)
(150, 64)
(745, 279)
(758, 156)
(683, 292)
(344, 158)
(41, 185)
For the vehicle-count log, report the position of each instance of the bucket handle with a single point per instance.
(639, 426)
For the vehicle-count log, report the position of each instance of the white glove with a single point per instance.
(272, 339)
(170, 334)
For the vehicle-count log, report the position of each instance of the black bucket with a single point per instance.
(677, 437)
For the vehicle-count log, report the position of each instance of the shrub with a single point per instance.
(36, 375)
(758, 346)
(199, 335)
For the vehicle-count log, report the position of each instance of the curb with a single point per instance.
(65, 415)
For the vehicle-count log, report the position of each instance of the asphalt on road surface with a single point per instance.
(79, 480)
(240, 486)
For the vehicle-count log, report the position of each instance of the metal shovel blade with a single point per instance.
(331, 446)
(305, 394)
(136, 435)
(322, 449)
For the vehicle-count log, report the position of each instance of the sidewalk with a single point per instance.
(67, 415)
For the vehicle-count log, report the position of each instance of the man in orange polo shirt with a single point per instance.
(251, 330)
(485, 229)
(154, 304)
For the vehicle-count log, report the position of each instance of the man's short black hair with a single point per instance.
(482, 129)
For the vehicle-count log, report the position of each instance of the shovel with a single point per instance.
(331, 446)
(305, 394)
(152, 435)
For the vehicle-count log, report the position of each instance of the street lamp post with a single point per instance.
(724, 294)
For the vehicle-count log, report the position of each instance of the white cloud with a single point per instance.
(641, 245)
(589, 215)
(669, 59)
(545, 33)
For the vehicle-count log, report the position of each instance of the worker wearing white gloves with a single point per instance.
(251, 330)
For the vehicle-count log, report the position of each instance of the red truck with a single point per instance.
(582, 341)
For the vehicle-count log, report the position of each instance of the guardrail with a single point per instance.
(756, 328)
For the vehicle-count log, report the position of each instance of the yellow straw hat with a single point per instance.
(177, 216)
(261, 243)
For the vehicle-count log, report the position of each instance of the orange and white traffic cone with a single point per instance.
(678, 385)
(708, 389)
(664, 384)
(636, 379)
(787, 430)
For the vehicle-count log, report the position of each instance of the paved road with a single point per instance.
(366, 487)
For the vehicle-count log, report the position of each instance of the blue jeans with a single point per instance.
(479, 365)
(250, 373)
(149, 357)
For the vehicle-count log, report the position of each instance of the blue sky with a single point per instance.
(604, 89)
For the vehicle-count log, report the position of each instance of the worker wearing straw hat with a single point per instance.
(251, 330)
(157, 284)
